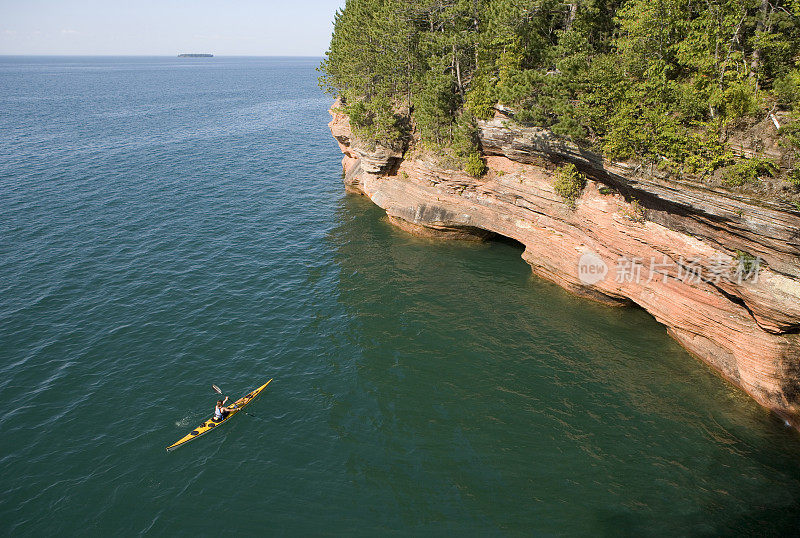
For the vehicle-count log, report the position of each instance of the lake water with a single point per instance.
(166, 224)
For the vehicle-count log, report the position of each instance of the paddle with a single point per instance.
(219, 391)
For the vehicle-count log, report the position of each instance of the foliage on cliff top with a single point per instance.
(654, 80)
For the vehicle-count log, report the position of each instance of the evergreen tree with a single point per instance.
(644, 79)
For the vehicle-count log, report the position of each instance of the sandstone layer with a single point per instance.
(720, 271)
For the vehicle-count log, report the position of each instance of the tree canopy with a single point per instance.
(653, 80)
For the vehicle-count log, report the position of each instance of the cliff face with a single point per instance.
(721, 272)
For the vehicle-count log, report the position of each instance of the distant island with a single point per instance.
(193, 55)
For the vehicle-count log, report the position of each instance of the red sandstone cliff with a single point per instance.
(676, 251)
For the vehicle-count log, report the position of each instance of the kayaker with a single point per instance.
(221, 412)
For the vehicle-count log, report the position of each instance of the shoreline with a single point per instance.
(748, 330)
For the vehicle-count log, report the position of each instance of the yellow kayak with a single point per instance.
(209, 424)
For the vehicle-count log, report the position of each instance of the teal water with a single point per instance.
(167, 224)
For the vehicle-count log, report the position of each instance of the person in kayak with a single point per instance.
(221, 412)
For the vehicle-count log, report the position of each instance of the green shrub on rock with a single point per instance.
(569, 183)
(748, 171)
(475, 165)
(787, 89)
(636, 212)
(793, 178)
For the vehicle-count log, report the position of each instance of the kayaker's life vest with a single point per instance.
(218, 413)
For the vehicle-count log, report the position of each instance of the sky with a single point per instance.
(167, 27)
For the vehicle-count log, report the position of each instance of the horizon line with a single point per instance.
(166, 55)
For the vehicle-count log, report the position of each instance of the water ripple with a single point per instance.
(166, 227)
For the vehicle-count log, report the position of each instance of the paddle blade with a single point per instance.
(216, 389)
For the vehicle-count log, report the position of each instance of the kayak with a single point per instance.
(209, 424)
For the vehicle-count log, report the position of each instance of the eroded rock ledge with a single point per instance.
(748, 330)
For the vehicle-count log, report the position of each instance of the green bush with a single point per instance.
(793, 178)
(569, 183)
(738, 100)
(705, 152)
(374, 121)
(623, 140)
(746, 261)
(475, 165)
(636, 212)
(464, 141)
(787, 89)
(749, 171)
